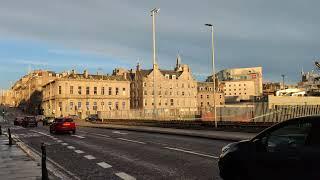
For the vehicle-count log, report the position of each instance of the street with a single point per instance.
(94, 153)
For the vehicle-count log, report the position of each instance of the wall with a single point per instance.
(292, 100)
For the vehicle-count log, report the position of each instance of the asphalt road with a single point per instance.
(108, 154)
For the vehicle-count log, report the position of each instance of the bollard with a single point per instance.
(0, 130)
(44, 162)
(9, 135)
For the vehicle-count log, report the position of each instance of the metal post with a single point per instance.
(0, 130)
(153, 12)
(43, 162)
(10, 138)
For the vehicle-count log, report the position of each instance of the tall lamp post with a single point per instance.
(153, 13)
(213, 76)
(283, 76)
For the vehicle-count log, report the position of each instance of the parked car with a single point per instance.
(18, 121)
(29, 121)
(40, 118)
(288, 150)
(47, 121)
(92, 118)
(63, 125)
(74, 117)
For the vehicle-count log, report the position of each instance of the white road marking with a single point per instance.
(89, 157)
(100, 135)
(129, 140)
(64, 144)
(78, 151)
(125, 176)
(104, 165)
(70, 147)
(42, 133)
(191, 152)
(118, 132)
(81, 137)
(59, 141)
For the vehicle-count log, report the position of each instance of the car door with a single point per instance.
(311, 153)
(280, 157)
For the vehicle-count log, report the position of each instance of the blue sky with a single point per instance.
(281, 36)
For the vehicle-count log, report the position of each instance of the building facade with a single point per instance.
(84, 94)
(167, 90)
(241, 84)
(205, 96)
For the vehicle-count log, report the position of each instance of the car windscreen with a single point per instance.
(63, 120)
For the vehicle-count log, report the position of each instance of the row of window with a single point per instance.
(236, 85)
(170, 85)
(73, 106)
(166, 103)
(208, 96)
(236, 89)
(102, 90)
(235, 94)
(167, 93)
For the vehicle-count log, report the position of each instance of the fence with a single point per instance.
(257, 112)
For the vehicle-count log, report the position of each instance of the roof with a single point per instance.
(94, 77)
(145, 73)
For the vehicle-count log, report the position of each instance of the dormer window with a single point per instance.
(166, 76)
(173, 76)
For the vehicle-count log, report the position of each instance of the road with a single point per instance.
(108, 154)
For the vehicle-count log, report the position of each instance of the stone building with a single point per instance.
(205, 95)
(27, 91)
(163, 90)
(84, 94)
(241, 84)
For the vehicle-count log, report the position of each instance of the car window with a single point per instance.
(313, 138)
(288, 137)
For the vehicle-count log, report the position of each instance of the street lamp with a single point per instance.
(283, 76)
(213, 76)
(153, 13)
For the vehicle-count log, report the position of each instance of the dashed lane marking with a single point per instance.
(125, 176)
(104, 165)
(96, 134)
(129, 140)
(79, 151)
(81, 137)
(59, 141)
(118, 132)
(191, 152)
(70, 147)
(64, 144)
(90, 157)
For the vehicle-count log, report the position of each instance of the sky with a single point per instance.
(100, 35)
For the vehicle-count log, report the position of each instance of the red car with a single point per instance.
(63, 125)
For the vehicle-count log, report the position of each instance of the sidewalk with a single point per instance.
(211, 134)
(15, 164)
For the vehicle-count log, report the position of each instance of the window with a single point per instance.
(166, 76)
(79, 90)
(60, 106)
(110, 103)
(144, 84)
(201, 96)
(145, 93)
(182, 85)
(244, 84)
(201, 104)
(182, 93)
(208, 103)
(79, 105)
(289, 137)
(123, 91)
(117, 105)
(102, 90)
(60, 90)
(88, 106)
(87, 90)
(117, 91)
(102, 103)
(95, 107)
(208, 96)
(71, 89)
(123, 105)
(95, 90)
(171, 102)
(110, 90)
(71, 105)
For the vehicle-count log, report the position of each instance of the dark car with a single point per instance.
(29, 121)
(92, 118)
(63, 125)
(288, 150)
(47, 121)
(18, 121)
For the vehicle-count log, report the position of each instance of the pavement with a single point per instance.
(15, 164)
(210, 134)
